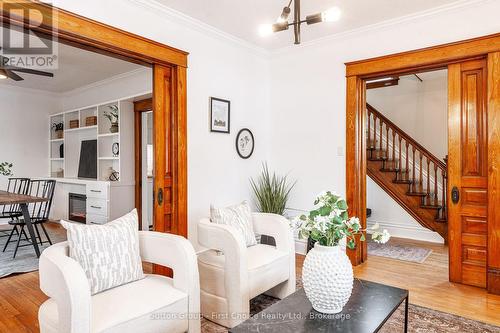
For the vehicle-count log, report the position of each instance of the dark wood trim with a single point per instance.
(435, 56)
(141, 106)
(87, 33)
(415, 61)
(493, 100)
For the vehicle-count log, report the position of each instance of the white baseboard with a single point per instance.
(300, 246)
(408, 231)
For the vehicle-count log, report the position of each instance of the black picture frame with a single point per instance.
(238, 139)
(213, 127)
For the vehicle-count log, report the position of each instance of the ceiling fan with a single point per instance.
(8, 72)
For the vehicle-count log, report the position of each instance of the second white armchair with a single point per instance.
(230, 278)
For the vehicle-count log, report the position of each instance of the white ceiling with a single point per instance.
(76, 68)
(242, 18)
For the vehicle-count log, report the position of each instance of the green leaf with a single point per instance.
(362, 238)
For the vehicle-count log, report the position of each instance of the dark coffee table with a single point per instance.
(369, 307)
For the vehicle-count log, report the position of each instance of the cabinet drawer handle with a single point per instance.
(96, 207)
(96, 191)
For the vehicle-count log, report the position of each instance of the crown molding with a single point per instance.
(104, 82)
(198, 25)
(457, 5)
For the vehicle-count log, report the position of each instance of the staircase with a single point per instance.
(408, 172)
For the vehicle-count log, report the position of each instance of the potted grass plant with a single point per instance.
(112, 116)
(271, 193)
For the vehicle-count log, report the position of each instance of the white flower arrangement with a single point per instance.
(328, 223)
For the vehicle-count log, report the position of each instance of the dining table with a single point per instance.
(23, 200)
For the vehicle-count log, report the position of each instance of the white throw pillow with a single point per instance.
(109, 253)
(238, 216)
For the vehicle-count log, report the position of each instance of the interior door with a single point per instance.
(162, 124)
(468, 172)
(163, 175)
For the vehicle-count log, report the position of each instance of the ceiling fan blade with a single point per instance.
(31, 71)
(12, 75)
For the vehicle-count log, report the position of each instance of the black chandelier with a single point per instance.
(330, 15)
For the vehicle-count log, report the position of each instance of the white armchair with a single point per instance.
(230, 280)
(153, 304)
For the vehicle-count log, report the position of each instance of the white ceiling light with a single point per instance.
(331, 15)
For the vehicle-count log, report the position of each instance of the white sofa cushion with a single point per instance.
(238, 216)
(267, 267)
(109, 254)
(148, 305)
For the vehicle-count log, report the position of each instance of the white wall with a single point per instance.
(418, 108)
(24, 130)
(217, 67)
(292, 99)
(308, 90)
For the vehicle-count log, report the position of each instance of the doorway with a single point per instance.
(473, 117)
(144, 162)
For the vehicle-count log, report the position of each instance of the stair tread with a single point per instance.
(417, 194)
(402, 181)
(441, 220)
(431, 206)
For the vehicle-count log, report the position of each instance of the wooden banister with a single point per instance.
(406, 137)
(416, 166)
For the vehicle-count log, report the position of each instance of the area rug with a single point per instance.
(420, 320)
(25, 260)
(400, 252)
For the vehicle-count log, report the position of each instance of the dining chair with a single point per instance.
(17, 186)
(39, 213)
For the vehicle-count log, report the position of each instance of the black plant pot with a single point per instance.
(310, 244)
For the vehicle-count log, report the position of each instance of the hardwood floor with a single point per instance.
(429, 286)
(428, 283)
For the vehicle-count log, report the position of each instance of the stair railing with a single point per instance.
(414, 165)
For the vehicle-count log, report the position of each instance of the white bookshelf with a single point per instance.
(66, 166)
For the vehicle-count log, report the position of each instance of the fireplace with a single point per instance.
(77, 207)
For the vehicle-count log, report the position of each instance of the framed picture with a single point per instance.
(220, 111)
(245, 143)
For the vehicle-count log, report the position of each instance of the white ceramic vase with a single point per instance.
(327, 278)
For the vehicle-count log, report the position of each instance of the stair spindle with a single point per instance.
(420, 174)
(400, 160)
(380, 138)
(435, 183)
(369, 114)
(428, 179)
(413, 182)
(393, 150)
(386, 141)
(407, 161)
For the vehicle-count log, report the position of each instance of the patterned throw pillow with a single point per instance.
(109, 253)
(238, 216)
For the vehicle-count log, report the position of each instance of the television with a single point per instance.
(87, 167)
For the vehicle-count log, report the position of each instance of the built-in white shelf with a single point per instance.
(108, 134)
(84, 128)
(64, 153)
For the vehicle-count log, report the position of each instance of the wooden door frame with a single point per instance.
(431, 58)
(140, 107)
(87, 34)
